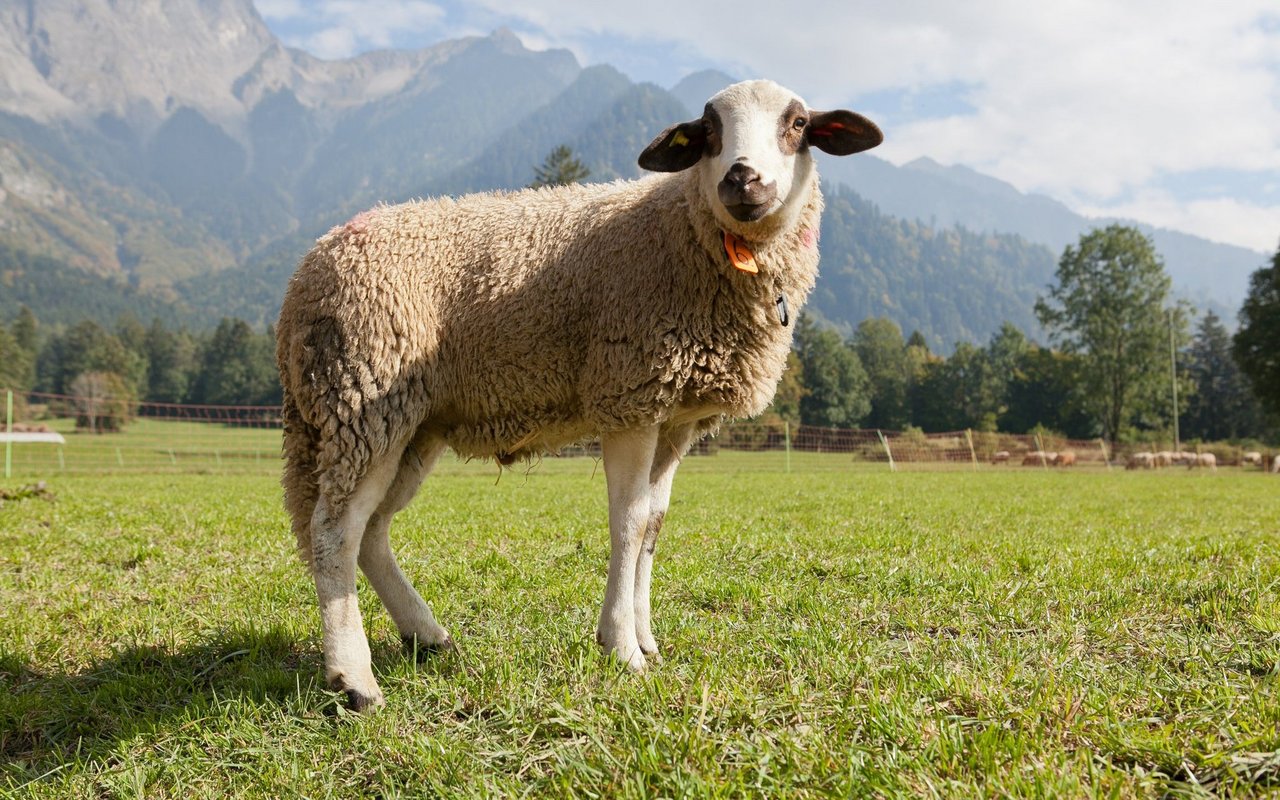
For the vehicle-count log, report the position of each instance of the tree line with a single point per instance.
(1120, 350)
(1122, 362)
(132, 362)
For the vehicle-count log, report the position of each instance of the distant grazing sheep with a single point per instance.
(1275, 465)
(1164, 458)
(1141, 461)
(1205, 460)
(1065, 459)
(1251, 458)
(505, 325)
(1000, 457)
(1038, 458)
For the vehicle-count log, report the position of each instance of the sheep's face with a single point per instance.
(751, 150)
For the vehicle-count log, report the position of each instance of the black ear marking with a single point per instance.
(841, 132)
(677, 148)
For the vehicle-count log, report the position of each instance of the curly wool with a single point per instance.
(508, 324)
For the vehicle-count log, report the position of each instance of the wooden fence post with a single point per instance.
(887, 451)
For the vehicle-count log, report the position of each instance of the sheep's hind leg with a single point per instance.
(628, 457)
(671, 447)
(335, 544)
(417, 625)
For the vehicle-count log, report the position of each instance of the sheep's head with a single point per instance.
(751, 150)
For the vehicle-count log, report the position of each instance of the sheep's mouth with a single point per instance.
(748, 212)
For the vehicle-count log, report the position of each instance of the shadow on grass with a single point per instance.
(48, 720)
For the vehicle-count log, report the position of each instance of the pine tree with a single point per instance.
(27, 331)
(1257, 343)
(170, 357)
(237, 367)
(1221, 405)
(559, 169)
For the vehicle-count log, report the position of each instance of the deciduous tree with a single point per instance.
(883, 353)
(1111, 307)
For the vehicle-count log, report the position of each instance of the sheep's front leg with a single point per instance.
(672, 445)
(628, 457)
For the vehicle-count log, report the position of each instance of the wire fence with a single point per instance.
(48, 434)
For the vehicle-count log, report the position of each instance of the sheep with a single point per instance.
(1275, 465)
(1165, 458)
(1066, 458)
(1000, 457)
(505, 325)
(1207, 460)
(1038, 458)
(1251, 458)
(1141, 461)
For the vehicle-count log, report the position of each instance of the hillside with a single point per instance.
(56, 293)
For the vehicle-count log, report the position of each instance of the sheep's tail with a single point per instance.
(301, 485)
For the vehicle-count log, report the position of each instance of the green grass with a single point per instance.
(834, 634)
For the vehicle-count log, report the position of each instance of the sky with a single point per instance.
(1162, 111)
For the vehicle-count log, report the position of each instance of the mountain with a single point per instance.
(950, 284)
(1211, 274)
(695, 89)
(173, 157)
(157, 141)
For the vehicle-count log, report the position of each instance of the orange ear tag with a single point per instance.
(740, 256)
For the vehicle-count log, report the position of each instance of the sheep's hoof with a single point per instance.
(360, 702)
(635, 662)
(424, 650)
(648, 645)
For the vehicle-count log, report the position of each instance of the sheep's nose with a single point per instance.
(739, 175)
(744, 193)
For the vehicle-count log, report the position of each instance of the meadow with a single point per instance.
(824, 632)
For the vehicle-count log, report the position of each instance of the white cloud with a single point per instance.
(342, 28)
(1221, 219)
(331, 43)
(279, 9)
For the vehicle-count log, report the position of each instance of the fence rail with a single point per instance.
(164, 437)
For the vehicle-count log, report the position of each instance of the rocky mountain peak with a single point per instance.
(81, 59)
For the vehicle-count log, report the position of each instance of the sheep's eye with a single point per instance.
(800, 123)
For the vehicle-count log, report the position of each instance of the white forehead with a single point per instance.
(742, 98)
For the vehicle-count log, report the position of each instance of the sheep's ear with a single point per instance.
(677, 148)
(842, 133)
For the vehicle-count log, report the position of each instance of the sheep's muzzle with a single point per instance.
(744, 195)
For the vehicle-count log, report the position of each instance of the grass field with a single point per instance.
(825, 634)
